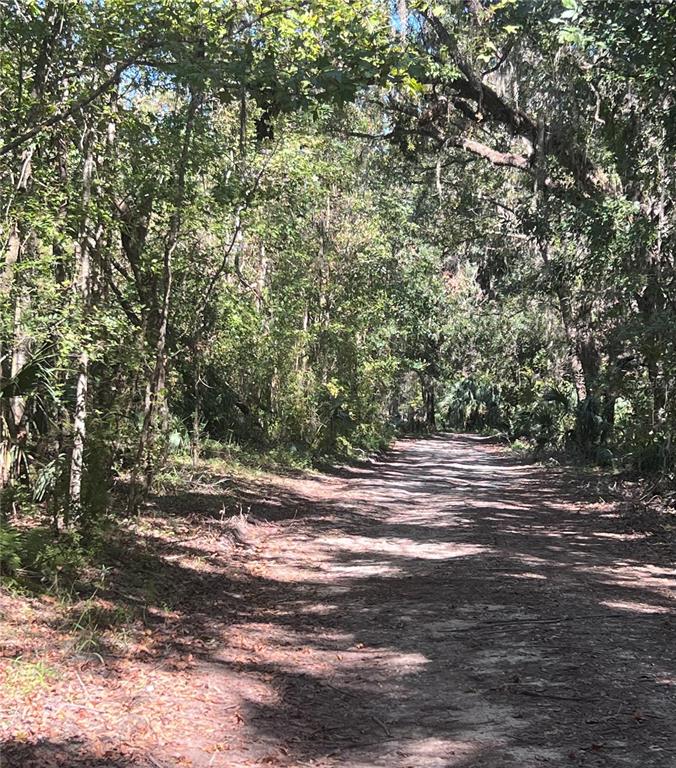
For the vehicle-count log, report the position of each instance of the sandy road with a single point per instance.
(452, 607)
(445, 607)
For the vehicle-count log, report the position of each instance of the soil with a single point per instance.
(448, 606)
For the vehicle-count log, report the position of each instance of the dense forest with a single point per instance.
(337, 383)
(302, 227)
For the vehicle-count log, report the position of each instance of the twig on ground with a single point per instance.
(542, 694)
(86, 707)
(340, 690)
(84, 689)
(382, 725)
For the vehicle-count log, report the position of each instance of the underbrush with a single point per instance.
(38, 559)
(647, 504)
(273, 458)
(79, 567)
(241, 459)
(26, 676)
(543, 420)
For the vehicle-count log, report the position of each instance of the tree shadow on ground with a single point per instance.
(73, 753)
(450, 606)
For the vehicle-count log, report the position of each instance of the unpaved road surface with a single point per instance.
(458, 608)
(447, 607)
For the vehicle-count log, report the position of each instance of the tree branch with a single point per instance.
(124, 304)
(491, 106)
(494, 156)
(77, 105)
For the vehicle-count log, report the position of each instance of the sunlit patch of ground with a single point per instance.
(446, 608)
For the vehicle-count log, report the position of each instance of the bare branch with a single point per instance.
(494, 156)
(59, 117)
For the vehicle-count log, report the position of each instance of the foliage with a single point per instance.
(36, 555)
(10, 551)
(281, 228)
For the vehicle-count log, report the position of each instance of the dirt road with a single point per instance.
(452, 607)
(446, 607)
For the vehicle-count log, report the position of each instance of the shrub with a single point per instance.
(10, 551)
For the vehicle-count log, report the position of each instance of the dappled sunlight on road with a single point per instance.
(463, 610)
(406, 547)
(445, 608)
(635, 607)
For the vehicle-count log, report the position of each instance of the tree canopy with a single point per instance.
(309, 224)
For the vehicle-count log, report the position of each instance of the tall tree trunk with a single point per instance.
(429, 402)
(539, 206)
(402, 13)
(197, 406)
(574, 356)
(144, 461)
(83, 248)
(15, 417)
(13, 428)
(429, 399)
(144, 454)
(7, 423)
(540, 209)
(261, 281)
(19, 359)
